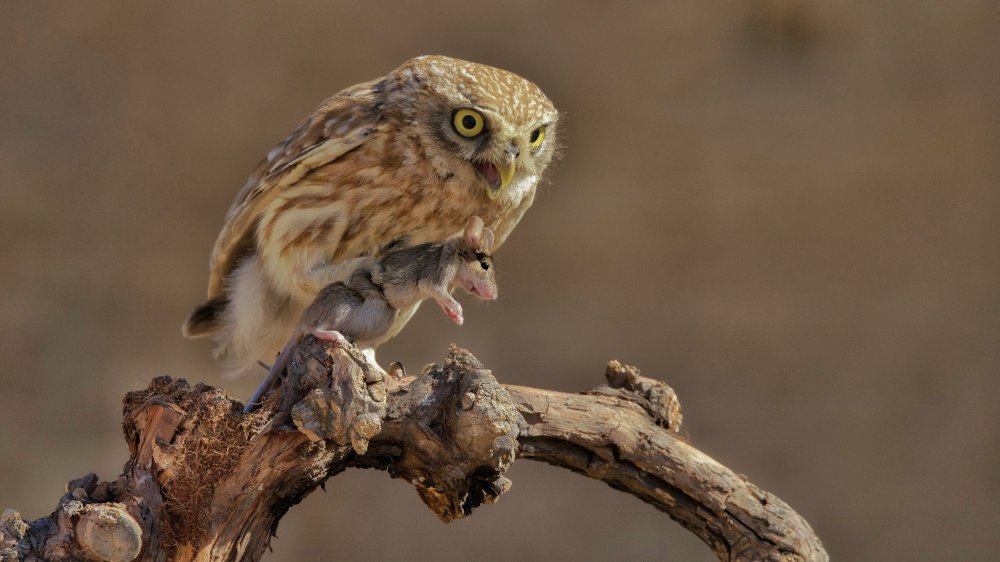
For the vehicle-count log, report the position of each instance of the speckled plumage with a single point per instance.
(376, 163)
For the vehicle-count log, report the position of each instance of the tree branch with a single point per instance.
(206, 482)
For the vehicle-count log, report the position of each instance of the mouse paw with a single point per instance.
(456, 315)
(331, 335)
(454, 311)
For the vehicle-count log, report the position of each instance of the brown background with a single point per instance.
(790, 212)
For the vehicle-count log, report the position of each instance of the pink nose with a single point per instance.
(483, 291)
(481, 288)
(486, 292)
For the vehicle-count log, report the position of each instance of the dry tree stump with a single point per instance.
(206, 482)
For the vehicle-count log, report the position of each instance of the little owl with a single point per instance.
(403, 159)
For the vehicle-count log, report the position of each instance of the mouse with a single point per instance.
(362, 309)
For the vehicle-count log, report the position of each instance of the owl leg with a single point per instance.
(369, 355)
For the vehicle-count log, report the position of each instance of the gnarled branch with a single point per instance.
(207, 482)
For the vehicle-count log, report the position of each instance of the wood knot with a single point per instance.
(345, 401)
(656, 397)
(461, 438)
(12, 529)
(107, 532)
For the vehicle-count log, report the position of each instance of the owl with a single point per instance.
(401, 160)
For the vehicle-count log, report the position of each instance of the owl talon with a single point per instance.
(396, 370)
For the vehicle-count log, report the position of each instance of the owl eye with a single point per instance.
(468, 123)
(537, 136)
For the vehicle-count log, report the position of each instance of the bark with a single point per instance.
(206, 482)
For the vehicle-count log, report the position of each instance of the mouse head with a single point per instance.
(476, 274)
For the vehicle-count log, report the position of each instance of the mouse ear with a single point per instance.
(487, 241)
(474, 232)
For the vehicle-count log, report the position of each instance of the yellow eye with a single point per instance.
(468, 123)
(537, 136)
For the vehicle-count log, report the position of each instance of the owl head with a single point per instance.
(487, 124)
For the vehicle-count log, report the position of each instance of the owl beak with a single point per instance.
(498, 176)
(506, 173)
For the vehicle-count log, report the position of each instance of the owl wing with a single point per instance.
(340, 124)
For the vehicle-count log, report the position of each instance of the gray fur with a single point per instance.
(365, 307)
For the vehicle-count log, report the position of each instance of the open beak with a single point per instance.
(498, 176)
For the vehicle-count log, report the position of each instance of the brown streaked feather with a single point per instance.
(378, 164)
(205, 319)
(342, 123)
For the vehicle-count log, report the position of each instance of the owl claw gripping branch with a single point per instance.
(365, 306)
(407, 157)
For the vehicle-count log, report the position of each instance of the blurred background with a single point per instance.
(789, 211)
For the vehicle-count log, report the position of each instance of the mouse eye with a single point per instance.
(485, 264)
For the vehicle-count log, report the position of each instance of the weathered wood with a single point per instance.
(206, 482)
(625, 435)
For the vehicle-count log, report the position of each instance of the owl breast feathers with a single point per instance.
(407, 158)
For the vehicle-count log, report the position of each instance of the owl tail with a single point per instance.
(206, 319)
